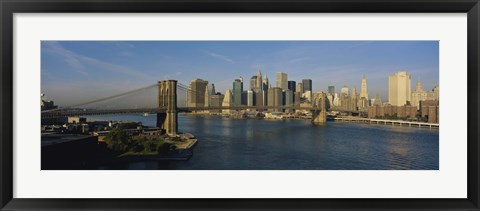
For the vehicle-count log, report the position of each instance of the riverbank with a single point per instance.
(349, 119)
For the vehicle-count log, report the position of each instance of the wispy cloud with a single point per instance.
(122, 48)
(68, 56)
(219, 56)
(79, 63)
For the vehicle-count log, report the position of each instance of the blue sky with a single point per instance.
(77, 71)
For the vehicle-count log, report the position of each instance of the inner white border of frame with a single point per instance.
(448, 182)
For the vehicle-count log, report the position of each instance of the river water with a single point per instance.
(257, 144)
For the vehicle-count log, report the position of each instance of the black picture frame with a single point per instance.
(10, 7)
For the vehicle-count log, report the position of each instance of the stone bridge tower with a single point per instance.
(319, 115)
(167, 99)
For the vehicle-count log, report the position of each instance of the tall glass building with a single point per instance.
(292, 85)
(307, 85)
(237, 92)
(282, 80)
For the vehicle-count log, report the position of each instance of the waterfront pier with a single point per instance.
(388, 122)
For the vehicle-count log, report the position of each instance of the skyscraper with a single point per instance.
(237, 92)
(377, 101)
(300, 88)
(259, 99)
(336, 100)
(259, 90)
(292, 85)
(363, 102)
(253, 82)
(288, 100)
(419, 94)
(207, 97)
(354, 99)
(329, 100)
(265, 83)
(282, 80)
(308, 96)
(275, 98)
(307, 85)
(227, 101)
(211, 89)
(436, 90)
(250, 98)
(266, 86)
(296, 99)
(244, 97)
(344, 91)
(216, 100)
(364, 92)
(331, 90)
(197, 93)
(354, 92)
(258, 85)
(399, 88)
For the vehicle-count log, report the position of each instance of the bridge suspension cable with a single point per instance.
(100, 103)
(184, 87)
(104, 99)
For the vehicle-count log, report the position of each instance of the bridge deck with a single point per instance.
(85, 112)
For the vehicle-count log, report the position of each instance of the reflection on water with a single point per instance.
(297, 144)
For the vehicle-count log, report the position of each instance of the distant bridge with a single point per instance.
(388, 122)
(89, 112)
(167, 109)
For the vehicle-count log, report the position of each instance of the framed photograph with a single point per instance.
(264, 105)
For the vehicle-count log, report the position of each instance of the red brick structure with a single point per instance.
(389, 110)
(430, 109)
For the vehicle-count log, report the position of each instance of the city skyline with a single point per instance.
(67, 67)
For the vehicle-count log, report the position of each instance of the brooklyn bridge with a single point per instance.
(166, 106)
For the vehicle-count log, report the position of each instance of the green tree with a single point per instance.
(117, 140)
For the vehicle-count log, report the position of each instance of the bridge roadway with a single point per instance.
(85, 112)
(387, 121)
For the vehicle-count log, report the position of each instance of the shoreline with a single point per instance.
(363, 121)
(183, 154)
(403, 124)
